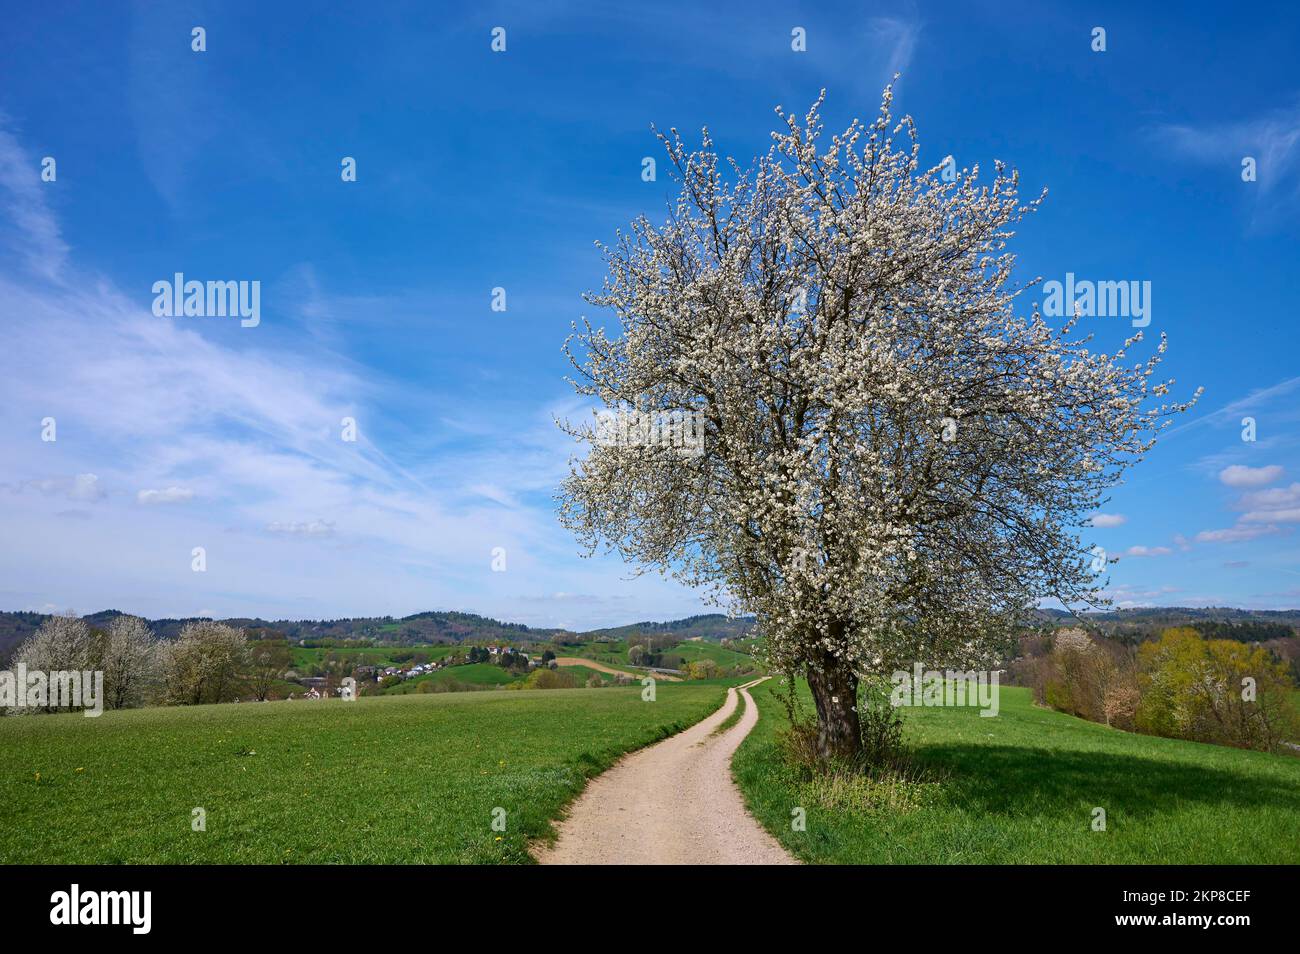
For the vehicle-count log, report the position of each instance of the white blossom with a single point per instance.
(826, 500)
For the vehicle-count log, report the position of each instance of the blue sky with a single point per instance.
(478, 169)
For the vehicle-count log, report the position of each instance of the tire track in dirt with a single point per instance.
(673, 803)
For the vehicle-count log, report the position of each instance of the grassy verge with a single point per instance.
(404, 779)
(732, 719)
(1022, 788)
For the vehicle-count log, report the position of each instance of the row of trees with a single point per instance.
(209, 662)
(648, 655)
(1181, 685)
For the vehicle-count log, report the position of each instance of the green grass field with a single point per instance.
(611, 654)
(1022, 787)
(615, 654)
(406, 779)
(694, 650)
(583, 673)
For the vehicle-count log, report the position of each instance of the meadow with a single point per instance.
(615, 653)
(1022, 788)
(397, 779)
(415, 779)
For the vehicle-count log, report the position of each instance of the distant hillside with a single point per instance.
(453, 627)
(429, 627)
(1177, 615)
(1133, 626)
(14, 628)
(708, 626)
(420, 628)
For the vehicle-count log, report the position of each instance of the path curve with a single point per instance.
(674, 803)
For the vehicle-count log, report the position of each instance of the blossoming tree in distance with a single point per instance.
(895, 466)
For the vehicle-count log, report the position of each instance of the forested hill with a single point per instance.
(420, 628)
(454, 627)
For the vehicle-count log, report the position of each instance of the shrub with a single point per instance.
(702, 669)
(549, 679)
(1220, 690)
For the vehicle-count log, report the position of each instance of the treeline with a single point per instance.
(207, 663)
(1250, 631)
(707, 626)
(1133, 628)
(1181, 685)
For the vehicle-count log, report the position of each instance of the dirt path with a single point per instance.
(601, 667)
(673, 803)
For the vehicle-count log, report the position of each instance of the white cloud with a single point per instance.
(306, 528)
(1239, 475)
(85, 487)
(81, 487)
(1288, 515)
(170, 495)
(1108, 520)
(1275, 505)
(1271, 498)
(1141, 551)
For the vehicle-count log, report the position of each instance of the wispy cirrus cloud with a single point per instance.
(30, 228)
(181, 433)
(1236, 534)
(1272, 139)
(897, 35)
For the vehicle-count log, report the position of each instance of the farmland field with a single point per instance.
(615, 653)
(693, 650)
(405, 779)
(1023, 787)
(583, 673)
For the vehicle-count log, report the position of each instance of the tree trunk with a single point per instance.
(834, 688)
